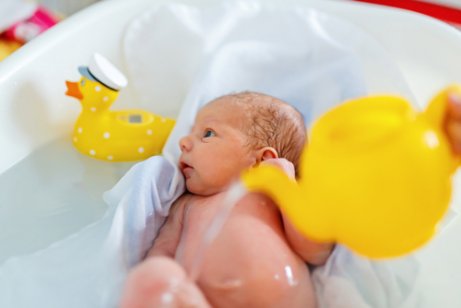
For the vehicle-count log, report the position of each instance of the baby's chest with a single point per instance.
(245, 224)
(249, 237)
(201, 214)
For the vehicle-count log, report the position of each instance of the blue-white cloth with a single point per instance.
(143, 198)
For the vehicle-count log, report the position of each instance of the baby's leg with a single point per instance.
(160, 282)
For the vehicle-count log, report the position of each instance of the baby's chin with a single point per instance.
(202, 190)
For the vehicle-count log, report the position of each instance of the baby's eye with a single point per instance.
(208, 133)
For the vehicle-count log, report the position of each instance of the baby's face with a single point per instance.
(214, 153)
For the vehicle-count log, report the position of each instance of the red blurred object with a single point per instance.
(446, 13)
(26, 30)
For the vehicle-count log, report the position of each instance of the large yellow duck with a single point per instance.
(123, 135)
(376, 176)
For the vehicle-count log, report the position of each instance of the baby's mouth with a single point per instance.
(185, 169)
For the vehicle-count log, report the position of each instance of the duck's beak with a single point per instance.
(73, 90)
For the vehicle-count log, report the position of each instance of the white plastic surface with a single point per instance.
(34, 111)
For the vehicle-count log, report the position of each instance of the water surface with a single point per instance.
(51, 194)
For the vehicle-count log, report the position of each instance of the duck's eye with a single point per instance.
(208, 133)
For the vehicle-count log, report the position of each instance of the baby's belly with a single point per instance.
(250, 264)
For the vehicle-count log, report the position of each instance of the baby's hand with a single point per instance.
(453, 122)
(283, 164)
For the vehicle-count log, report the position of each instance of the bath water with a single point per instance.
(51, 194)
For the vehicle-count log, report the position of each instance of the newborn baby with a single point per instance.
(258, 259)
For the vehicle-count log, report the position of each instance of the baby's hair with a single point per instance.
(272, 122)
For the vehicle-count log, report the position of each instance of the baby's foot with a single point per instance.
(160, 282)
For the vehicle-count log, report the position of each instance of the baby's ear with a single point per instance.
(267, 153)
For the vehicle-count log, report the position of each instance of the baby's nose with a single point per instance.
(185, 144)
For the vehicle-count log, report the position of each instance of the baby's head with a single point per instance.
(235, 132)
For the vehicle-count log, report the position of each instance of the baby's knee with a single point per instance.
(160, 282)
(152, 283)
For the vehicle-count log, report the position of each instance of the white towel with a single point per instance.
(349, 280)
(303, 56)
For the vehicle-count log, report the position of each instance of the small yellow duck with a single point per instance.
(124, 135)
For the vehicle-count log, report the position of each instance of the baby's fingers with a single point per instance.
(283, 164)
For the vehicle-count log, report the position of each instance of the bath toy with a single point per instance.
(123, 135)
(376, 176)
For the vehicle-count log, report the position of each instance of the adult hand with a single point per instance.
(453, 122)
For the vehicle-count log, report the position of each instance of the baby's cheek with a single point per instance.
(220, 177)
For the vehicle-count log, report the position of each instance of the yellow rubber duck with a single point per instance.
(376, 176)
(124, 135)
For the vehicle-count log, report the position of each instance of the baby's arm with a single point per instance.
(159, 281)
(167, 240)
(313, 252)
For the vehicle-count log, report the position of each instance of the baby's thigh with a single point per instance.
(158, 282)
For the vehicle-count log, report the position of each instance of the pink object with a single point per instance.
(26, 30)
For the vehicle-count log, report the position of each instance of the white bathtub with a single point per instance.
(48, 191)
